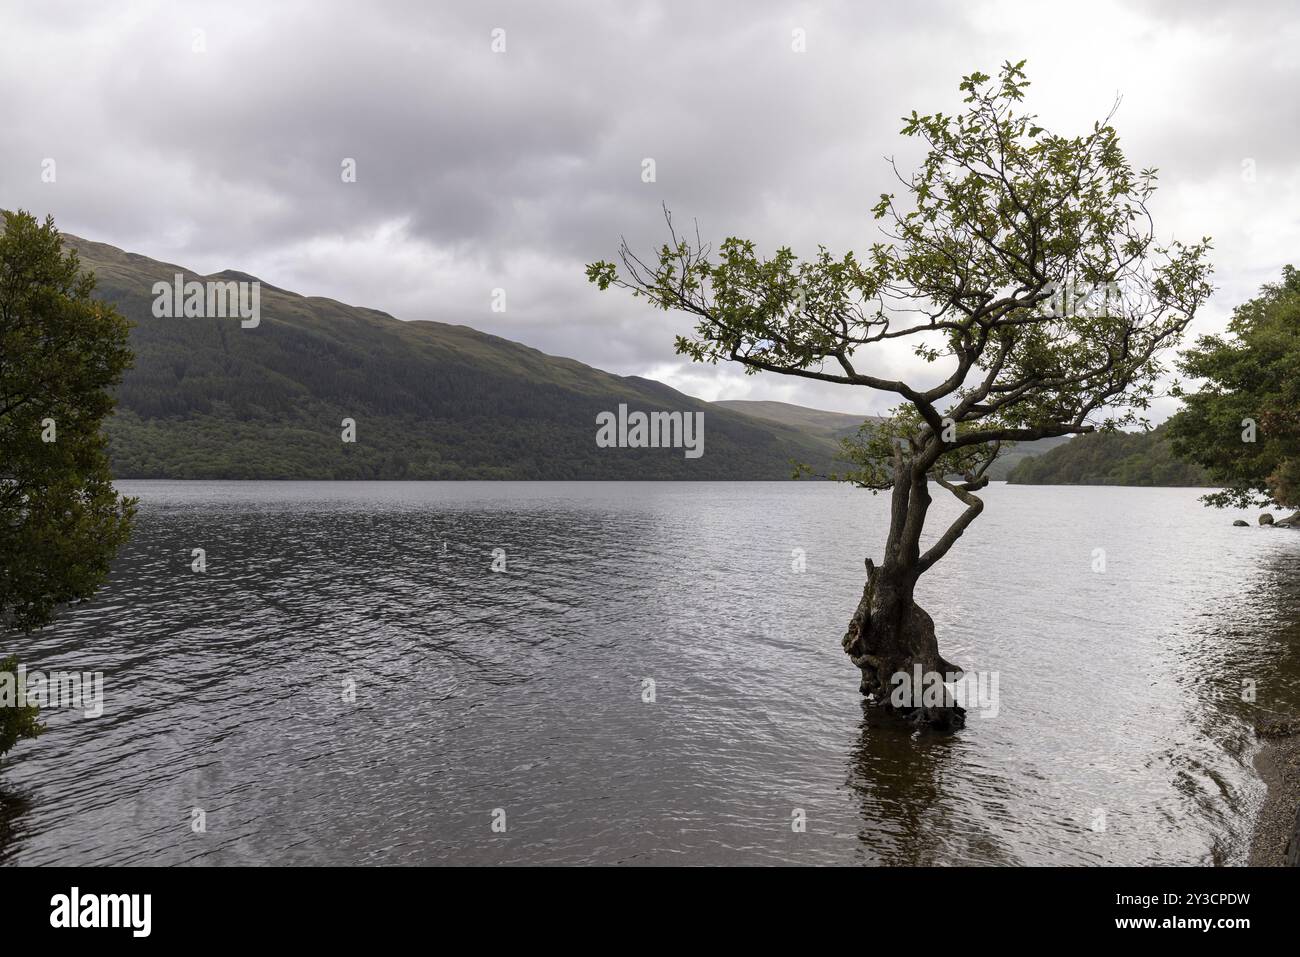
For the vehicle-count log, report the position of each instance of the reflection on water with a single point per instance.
(1121, 737)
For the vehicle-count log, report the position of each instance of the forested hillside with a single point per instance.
(1110, 458)
(210, 399)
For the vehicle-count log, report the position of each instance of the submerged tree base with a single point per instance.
(891, 639)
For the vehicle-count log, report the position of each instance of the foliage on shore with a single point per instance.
(1243, 426)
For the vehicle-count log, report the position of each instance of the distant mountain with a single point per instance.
(835, 425)
(840, 425)
(210, 399)
(1110, 458)
(1020, 452)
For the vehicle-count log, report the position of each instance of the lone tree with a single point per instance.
(1022, 262)
(61, 521)
(1243, 425)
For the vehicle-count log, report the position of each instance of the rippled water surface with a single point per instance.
(1121, 734)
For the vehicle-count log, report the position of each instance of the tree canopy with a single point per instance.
(1243, 426)
(1022, 260)
(61, 352)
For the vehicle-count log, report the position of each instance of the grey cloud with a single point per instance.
(478, 170)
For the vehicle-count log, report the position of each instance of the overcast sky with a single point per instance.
(213, 135)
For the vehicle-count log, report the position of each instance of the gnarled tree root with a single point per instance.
(889, 638)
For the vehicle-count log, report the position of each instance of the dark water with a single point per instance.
(1120, 691)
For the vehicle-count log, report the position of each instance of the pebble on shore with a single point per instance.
(1276, 842)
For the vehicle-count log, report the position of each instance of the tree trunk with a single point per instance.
(890, 637)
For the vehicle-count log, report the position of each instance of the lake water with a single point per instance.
(1121, 735)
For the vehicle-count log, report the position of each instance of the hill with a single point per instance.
(1110, 458)
(833, 425)
(840, 425)
(210, 399)
(1010, 459)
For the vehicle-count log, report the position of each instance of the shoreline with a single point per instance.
(1278, 763)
